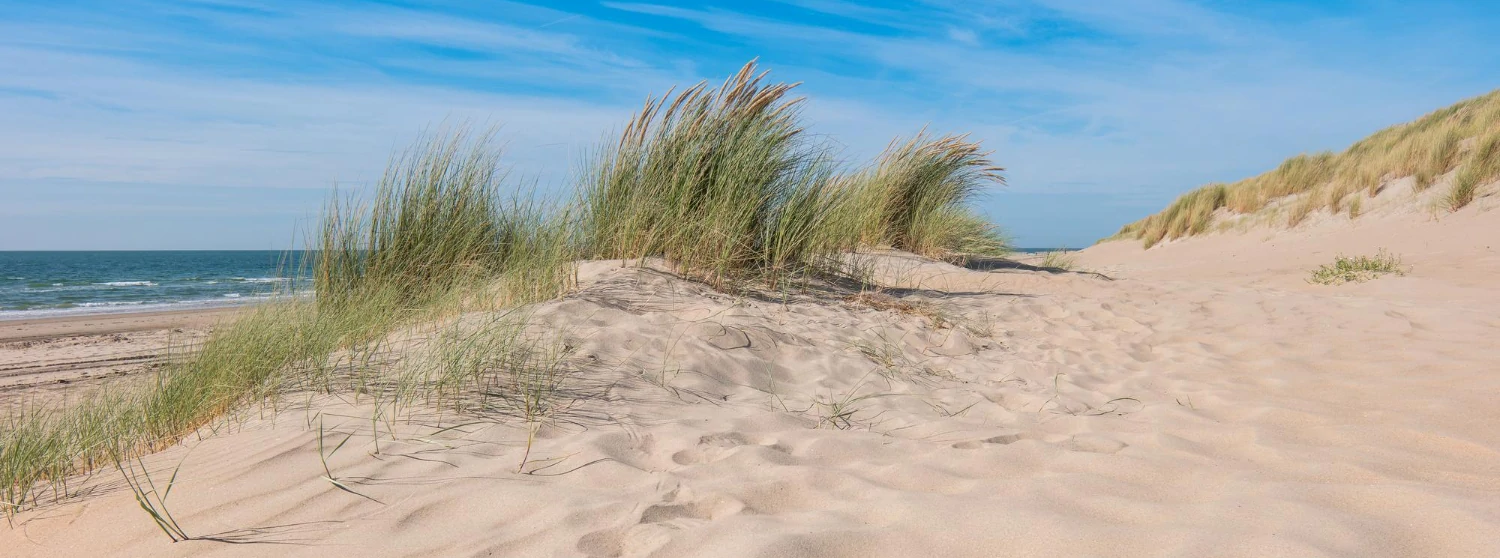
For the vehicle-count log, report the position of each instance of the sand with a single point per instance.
(47, 360)
(1202, 400)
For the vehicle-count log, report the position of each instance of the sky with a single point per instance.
(225, 124)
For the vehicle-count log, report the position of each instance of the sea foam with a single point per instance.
(129, 284)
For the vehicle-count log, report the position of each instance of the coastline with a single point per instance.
(51, 360)
(105, 323)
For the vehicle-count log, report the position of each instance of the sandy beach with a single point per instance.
(45, 359)
(1199, 399)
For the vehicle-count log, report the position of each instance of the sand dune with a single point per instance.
(1202, 401)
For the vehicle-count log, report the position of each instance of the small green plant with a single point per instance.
(888, 355)
(1357, 269)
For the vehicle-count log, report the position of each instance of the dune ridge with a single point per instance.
(1439, 163)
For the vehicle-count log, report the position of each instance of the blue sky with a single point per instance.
(224, 123)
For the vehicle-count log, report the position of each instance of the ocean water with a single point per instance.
(41, 284)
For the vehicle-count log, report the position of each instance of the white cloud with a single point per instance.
(965, 36)
(119, 121)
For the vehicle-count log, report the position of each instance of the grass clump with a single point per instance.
(1464, 136)
(440, 222)
(1357, 269)
(240, 362)
(916, 198)
(720, 181)
(438, 239)
(1481, 168)
(725, 184)
(1059, 259)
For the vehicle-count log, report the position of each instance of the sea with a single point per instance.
(46, 284)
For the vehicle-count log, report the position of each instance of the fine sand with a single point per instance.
(1201, 400)
(44, 360)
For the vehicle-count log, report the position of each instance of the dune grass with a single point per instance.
(726, 184)
(1464, 136)
(440, 222)
(916, 198)
(1357, 269)
(1059, 259)
(438, 239)
(722, 182)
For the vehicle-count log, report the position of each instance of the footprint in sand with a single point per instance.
(679, 510)
(1002, 439)
(635, 540)
(1094, 444)
(714, 447)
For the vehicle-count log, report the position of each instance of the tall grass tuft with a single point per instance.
(917, 197)
(709, 178)
(1482, 167)
(724, 183)
(440, 222)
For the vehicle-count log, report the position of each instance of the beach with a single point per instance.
(1198, 399)
(45, 359)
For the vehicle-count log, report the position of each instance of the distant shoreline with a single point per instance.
(186, 306)
(28, 329)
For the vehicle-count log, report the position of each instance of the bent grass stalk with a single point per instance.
(152, 501)
(328, 472)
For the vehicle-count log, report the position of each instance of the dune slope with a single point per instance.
(1439, 163)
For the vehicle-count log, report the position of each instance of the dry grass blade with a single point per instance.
(328, 473)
